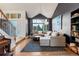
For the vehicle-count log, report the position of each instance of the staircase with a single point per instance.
(7, 29)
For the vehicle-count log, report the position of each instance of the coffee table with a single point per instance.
(36, 38)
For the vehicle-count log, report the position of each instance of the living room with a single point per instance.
(42, 29)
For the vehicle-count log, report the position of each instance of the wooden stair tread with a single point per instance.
(73, 48)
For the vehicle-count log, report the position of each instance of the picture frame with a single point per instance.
(13, 15)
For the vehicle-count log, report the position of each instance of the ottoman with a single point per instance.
(44, 41)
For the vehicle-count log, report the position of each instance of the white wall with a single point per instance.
(66, 23)
(21, 29)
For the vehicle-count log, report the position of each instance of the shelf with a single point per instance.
(75, 31)
(75, 23)
(76, 37)
(77, 40)
(75, 17)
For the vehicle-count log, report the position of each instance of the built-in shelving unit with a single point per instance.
(75, 23)
(75, 29)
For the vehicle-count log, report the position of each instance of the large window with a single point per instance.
(39, 25)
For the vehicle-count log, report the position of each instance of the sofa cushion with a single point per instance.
(54, 34)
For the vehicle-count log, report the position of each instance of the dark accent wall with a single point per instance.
(26, 16)
(29, 26)
(65, 7)
(50, 24)
(39, 16)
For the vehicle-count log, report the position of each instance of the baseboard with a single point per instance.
(18, 42)
(13, 49)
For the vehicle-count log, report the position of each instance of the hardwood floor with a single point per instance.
(21, 45)
(44, 54)
(59, 53)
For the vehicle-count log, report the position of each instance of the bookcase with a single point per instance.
(75, 28)
(75, 23)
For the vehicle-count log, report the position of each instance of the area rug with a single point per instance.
(34, 46)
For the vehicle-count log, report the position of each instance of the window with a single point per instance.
(56, 23)
(13, 27)
(39, 25)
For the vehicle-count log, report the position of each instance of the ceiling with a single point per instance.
(65, 7)
(32, 9)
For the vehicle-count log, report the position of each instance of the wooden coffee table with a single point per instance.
(36, 38)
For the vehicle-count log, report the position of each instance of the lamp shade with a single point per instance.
(46, 22)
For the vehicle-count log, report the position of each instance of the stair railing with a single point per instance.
(6, 25)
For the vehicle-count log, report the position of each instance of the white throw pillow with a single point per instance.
(39, 32)
(54, 34)
(48, 33)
